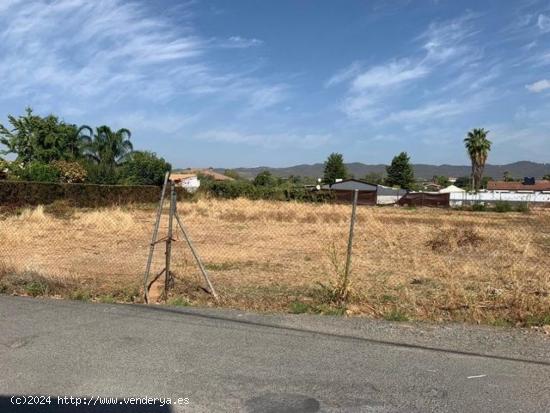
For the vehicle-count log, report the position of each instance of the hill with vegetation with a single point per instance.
(421, 171)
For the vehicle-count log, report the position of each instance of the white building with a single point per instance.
(190, 182)
(529, 191)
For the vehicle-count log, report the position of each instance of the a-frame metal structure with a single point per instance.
(172, 216)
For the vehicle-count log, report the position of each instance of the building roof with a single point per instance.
(450, 189)
(208, 172)
(386, 190)
(540, 185)
(351, 184)
(180, 177)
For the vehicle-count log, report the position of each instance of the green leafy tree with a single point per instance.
(33, 138)
(232, 174)
(441, 180)
(334, 168)
(265, 178)
(478, 147)
(463, 182)
(374, 178)
(400, 172)
(507, 176)
(546, 177)
(143, 168)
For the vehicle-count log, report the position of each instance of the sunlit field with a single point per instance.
(427, 264)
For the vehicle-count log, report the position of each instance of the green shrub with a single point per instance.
(36, 288)
(522, 207)
(39, 172)
(503, 206)
(143, 168)
(245, 189)
(479, 207)
(298, 307)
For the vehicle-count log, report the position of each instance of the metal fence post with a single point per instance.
(154, 239)
(351, 229)
(168, 275)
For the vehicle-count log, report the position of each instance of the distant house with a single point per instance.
(451, 189)
(431, 187)
(529, 185)
(188, 181)
(207, 172)
(351, 185)
(386, 195)
(343, 191)
(529, 191)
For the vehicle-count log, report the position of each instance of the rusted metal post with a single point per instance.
(167, 273)
(154, 239)
(197, 258)
(351, 230)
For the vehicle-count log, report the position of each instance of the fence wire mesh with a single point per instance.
(426, 262)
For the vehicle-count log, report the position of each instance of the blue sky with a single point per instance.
(248, 83)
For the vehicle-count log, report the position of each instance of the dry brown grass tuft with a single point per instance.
(408, 264)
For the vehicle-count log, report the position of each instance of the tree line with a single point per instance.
(48, 149)
(400, 172)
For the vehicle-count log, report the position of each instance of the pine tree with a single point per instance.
(334, 168)
(400, 172)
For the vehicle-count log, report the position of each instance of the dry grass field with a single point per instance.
(427, 264)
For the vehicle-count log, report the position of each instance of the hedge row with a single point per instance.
(20, 193)
(245, 189)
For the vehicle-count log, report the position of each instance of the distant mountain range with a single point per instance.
(421, 171)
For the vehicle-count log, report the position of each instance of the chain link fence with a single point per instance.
(406, 262)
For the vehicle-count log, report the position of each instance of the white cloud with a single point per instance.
(543, 22)
(447, 40)
(268, 96)
(428, 112)
(390, 74)
(267, 140)
(344, 75)
(238, 42)
(539, 86)
(445, 49)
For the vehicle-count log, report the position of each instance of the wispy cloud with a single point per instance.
(543, 23)
(268, 140)
(344, 74)
(103, 52)
(391, 74)
(238, 42)
(539, 86)
(447, 40)
(377, 93)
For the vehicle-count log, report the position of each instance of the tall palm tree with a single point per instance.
(478, 147)
(79, 141)
(106, 147)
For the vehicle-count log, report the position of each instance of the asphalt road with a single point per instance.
(215, 360)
